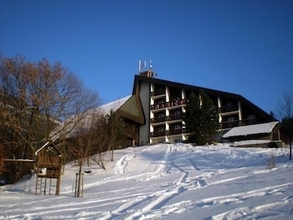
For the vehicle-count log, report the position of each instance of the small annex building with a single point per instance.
(131, 111)
(263, 135)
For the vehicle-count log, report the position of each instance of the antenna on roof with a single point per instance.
(139, 65)
(146, 68)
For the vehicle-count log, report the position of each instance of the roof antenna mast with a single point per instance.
(146, 69)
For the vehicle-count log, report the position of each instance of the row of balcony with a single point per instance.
(223, 125)
(168, 132)
(180, 102)
(168, 104)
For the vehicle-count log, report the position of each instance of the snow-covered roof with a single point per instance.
(84, 120)
(251, 129)
(45, 145)
(105, 109)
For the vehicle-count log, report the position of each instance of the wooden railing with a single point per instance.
(168, 104)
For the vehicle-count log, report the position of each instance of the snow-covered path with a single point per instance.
(169, 182)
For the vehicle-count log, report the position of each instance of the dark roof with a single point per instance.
(248, 104)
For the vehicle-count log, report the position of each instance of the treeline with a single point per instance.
(41, 101)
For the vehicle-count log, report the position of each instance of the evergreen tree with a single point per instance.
(201, 118)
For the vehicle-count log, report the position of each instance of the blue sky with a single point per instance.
(243, 47)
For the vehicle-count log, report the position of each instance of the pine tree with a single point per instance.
(201, 118)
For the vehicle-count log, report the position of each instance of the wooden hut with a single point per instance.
(48, 169)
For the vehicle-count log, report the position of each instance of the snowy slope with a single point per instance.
(168, 182)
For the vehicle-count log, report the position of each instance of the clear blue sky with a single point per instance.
(242, 46)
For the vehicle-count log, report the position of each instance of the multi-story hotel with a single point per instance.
(163, 103)
(156, 109)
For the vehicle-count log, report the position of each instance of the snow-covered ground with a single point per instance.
(169, 182)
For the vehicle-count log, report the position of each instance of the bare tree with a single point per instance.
(35, 98)
(285, 113)
(100, 139)
(116, 131)
(85, 141)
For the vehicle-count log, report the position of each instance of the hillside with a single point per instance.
(168, 182)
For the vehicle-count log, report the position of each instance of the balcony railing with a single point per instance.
(167, 118)
(168, 132)
(168, 104)
(173, 117)
(229, 124)
(158, 119)
(176, 102)
(236, 123)
(175, 131)
(227, 108)
(249, 121)
(158, 133)
(158, 92)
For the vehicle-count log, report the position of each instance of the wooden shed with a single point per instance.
(267, 134)
(48, 169)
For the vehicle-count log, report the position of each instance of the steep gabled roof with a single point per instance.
(105, 109)
(50, 145)
(128, 107)
(132, 110)
(264, 128)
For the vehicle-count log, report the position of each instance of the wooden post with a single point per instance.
(58, 183)
(45, 185)
(82, 175)
(76, 183)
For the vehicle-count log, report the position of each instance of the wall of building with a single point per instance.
(144, 130)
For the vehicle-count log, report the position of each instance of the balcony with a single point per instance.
(158, 92)
(249, 121)
(173, 117)
(229, 124)
(176, 102)
(228, 108)
(236, 123)
(175, 131)
(167, 118)
(158, 133)
(168, 132)
(157, 106)
(158, 119)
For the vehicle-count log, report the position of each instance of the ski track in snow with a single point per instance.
(176, 172)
